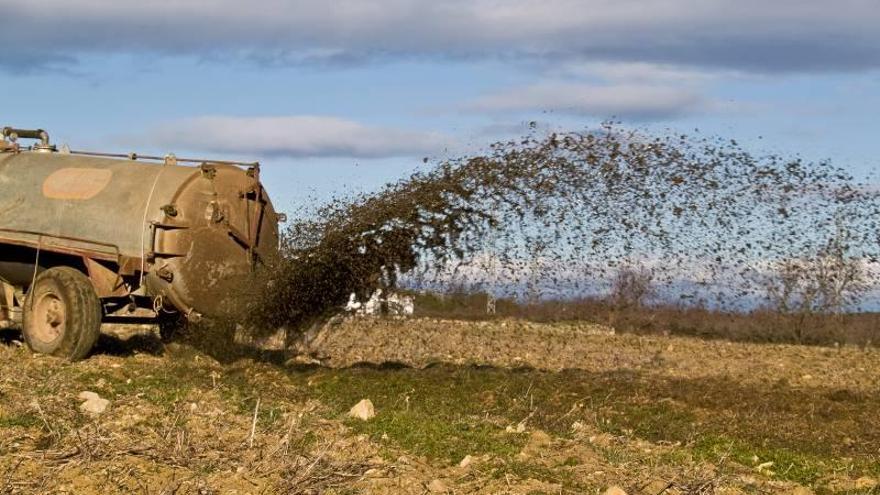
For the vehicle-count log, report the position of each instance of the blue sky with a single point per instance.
(346, 95)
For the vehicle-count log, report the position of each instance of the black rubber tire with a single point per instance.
(171, 326)
(68, 292)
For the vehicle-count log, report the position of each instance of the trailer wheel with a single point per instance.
(62, 314)
(170, 325)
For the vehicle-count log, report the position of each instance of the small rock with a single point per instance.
(865, 483)
(614, 490)
(602, 440)
(538, 441)
(800, 490)
(764, 467)
(729, 490)
(93, 403)
(466, 461)
(519, 428)
(748, 480)
(363, 410)
(657, 486)
(301, 360)
(437, 486)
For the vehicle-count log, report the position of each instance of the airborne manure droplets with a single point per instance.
(563, 215)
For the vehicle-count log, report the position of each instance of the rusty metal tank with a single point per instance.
(179, 235)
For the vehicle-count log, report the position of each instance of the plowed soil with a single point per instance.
(482, 407)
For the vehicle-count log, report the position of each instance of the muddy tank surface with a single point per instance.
(91, 236)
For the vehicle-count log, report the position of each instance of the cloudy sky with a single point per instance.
(349, 94)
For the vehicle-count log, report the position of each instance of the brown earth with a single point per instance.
(562, 408)
(595, 348)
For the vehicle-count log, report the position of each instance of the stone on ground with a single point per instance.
(437, 486)
(538, 441)
(93, 403)
(363, 410)
(865, 483)
(657, 486)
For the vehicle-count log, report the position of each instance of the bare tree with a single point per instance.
(824, 283)
(632, 284)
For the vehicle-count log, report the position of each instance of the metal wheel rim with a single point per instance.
(49, 317)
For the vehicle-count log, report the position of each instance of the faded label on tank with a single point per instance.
(76, 183)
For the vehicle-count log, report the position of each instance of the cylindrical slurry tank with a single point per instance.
(180, 237)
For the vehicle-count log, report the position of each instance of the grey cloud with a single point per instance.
(291, 136)
(31, 62)
(632, 102)
(641, 73)
(749, 35)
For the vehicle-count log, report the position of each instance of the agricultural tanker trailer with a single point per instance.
(87, 237)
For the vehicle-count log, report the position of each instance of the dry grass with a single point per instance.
(648, 417)
(862, 329)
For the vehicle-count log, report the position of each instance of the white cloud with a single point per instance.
(751, 35)
(642, 73)
(631, 102)
(293, 136)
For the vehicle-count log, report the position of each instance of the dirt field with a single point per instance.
(460, 407)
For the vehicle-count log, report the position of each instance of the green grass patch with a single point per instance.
(651, 421)
(787, 464)
(436, 437)
(447, 412)
(791, 465)
(527, 470)
(24, 420)
(163, 387)
(441, 414)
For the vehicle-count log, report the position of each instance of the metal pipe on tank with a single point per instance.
(15, 134)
